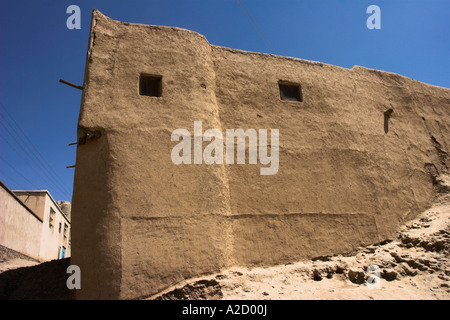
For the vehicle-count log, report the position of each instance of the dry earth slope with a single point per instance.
(413, 266)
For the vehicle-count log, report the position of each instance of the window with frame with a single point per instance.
(66, 227)
(51, 219)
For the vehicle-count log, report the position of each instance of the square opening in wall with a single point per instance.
(290, 91)
(150, 85)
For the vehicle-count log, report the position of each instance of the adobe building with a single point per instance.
(32, 223)
(359, 151)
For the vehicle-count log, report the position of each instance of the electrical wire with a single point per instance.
(256, 26)
(37, 161)
(39, 155)
(18, 172)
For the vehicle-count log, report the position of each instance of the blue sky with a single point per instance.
(38, 115)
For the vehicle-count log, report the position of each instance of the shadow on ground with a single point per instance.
(45, 281)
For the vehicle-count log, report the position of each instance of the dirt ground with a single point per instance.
(45, 281)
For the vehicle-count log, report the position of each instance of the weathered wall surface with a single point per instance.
(20, 228)
(35, 201)
(51, 241)
(142, 223)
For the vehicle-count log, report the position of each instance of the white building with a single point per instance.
(34, 224)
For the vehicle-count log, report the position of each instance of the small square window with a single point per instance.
(150, 85)
(290, 91)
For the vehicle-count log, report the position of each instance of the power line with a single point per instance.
(23, 147)
(18, 172)
(255, 25)
(32, 156)
(33, 168)
(9, 178)
(43, 162)
(29, 142)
